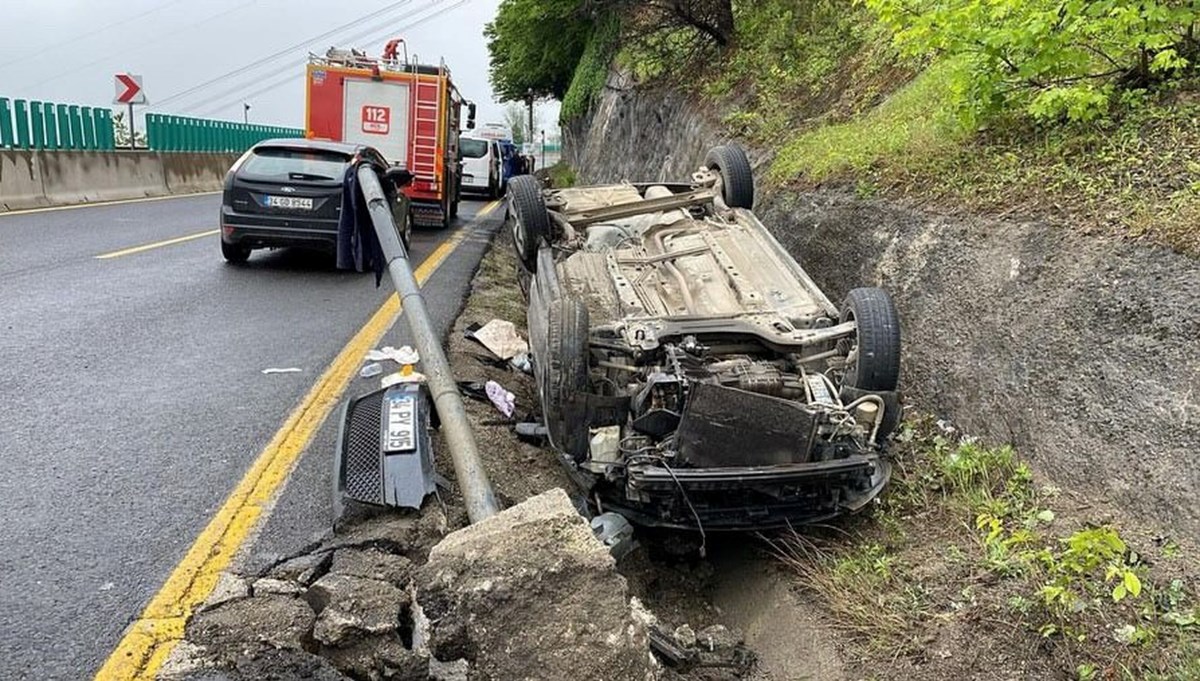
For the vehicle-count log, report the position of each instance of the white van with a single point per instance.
(481, 166)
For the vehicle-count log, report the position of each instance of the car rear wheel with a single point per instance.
(736, 180)
(563, 377)
(875, 364)
(235, 253)
(531, 223)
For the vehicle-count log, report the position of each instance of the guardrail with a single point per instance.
(47, 125)
(180, 133)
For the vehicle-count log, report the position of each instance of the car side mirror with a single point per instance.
(400, 177)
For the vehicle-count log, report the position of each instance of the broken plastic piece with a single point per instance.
(615, 532)
(523, 363)
(402, 377)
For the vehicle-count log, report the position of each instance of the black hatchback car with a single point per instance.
(288, 192)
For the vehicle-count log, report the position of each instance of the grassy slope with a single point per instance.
(840, 107)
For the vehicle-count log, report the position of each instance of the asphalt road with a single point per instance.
(135, 401)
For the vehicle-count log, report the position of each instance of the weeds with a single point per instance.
(1085, 594)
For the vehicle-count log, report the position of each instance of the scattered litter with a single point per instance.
(533, 433)
(523, 363)
(288, 370)
(401, 355)
(474, 390)
(371, 370)
(405, 375)
(107, 586)
(498, 336)
(505, 401)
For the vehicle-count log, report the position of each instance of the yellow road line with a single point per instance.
(156, 244)
(150, 639)
(486, 210)
(118, 202)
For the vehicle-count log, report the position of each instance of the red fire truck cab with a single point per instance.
(409, 111)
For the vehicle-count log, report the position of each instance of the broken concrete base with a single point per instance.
(528, 593)
(531, 593)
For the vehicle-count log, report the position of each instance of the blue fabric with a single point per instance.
(358, 246)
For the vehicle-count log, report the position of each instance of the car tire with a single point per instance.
(564, 377)
(737, 181)
(406, 231)
(531, 223)
(877, 340)
(235, 253)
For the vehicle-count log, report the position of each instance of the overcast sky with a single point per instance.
(67, 51)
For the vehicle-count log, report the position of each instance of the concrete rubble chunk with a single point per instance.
(229, 587)
(304, 569)
(350, 606)
(532, 589)
(279, 587)
(273, 621)
(373, 564)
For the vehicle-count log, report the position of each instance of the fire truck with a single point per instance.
(409, 111)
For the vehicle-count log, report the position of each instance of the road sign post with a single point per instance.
(129, 91)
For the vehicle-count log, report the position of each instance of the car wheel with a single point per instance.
(406, 231)
(876, 344)
(564, 377)
(235, 253)
(531, 223)
(736, 180)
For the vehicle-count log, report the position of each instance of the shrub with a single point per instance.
(1052, 59)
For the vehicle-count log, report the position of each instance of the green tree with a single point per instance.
(1050, 58)
(534, 46)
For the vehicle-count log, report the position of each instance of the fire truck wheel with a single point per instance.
(532, 222)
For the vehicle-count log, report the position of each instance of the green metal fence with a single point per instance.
(179, 133)
(47, 125)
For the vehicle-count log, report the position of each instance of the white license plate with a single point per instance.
(401, 431)
(290, 202)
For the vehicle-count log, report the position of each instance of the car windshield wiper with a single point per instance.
(307, 176)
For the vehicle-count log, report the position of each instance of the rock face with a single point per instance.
(530, 593)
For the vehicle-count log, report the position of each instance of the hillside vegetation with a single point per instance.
(1084, 113)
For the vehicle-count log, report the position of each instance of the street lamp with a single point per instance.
(245, 113)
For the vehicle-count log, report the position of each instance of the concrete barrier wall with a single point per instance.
(20, 180)
(31, 179)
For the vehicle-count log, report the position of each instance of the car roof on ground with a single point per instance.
(314, 145)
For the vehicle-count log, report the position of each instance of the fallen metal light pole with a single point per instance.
(468, 467)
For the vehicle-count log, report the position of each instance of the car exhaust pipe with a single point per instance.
(472, 479)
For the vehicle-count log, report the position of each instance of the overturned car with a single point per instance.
(690, 373)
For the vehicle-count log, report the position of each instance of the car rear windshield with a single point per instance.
(474, 148)
(289, 165)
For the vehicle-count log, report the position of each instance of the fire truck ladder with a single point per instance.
(428, 112)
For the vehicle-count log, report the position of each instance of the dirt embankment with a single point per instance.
(1082, 351)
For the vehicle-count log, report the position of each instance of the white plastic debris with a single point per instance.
(402, 355)
(505, 401)
(501, 338)
(400, 377)
(371, 370)
(522, 362)
(288, 370)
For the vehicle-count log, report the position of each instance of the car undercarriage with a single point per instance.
(691, 374)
